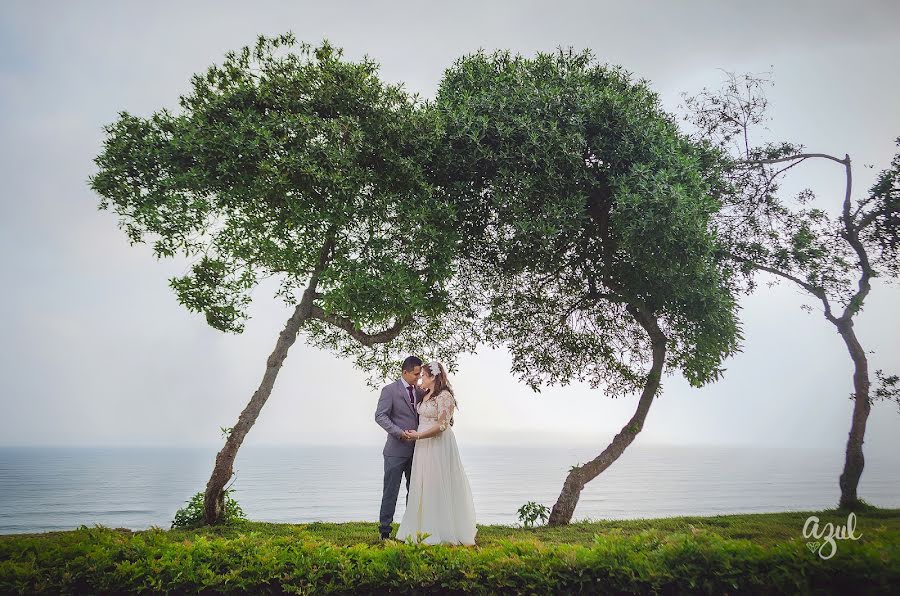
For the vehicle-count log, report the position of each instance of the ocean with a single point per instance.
(59, 488)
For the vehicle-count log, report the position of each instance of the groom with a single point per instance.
(396, 413)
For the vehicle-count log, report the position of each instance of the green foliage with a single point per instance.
(669, 556)
(418, 539)
(581, 198)
(530, 512)
(191, 515)
(288, 161)
(765, 529)
(831, 253)
(888, 388)
(881, 221)
(831, 256)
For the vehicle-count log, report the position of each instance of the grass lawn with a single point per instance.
(762, 528)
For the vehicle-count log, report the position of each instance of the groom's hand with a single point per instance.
(408, 435)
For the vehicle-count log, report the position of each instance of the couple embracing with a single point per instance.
(416, 410)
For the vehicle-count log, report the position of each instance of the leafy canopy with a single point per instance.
(832, 253)
(303, 166)
(584, 201)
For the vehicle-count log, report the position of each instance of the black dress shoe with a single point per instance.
(385, 535)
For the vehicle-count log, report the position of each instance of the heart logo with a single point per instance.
(813, 546)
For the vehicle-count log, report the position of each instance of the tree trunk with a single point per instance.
(854, 460)
(579, 476)
(214, 499)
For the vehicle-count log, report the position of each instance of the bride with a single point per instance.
(440, 499)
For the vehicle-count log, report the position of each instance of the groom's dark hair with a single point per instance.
(411, 362)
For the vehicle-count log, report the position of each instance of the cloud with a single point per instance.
(96, 350)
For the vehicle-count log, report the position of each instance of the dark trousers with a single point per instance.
(394, 469)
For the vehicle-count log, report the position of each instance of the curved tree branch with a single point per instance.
(752, 162)
(851, 233)
(366, 339)
(814, 290)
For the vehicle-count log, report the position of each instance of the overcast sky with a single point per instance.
(96, 350)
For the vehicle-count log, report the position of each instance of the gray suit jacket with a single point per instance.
(395, 414)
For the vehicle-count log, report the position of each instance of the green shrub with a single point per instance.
(289, 559)
(530, 512)
(191, 515)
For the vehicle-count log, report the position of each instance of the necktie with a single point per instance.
(412, 398)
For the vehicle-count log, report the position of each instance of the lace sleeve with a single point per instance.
(445, 404)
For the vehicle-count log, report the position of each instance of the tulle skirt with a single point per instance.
(440, 499)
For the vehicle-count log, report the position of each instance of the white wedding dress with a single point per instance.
(440, 499)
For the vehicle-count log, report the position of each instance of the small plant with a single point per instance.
(530, 512)
(191, 515)
(419, 538)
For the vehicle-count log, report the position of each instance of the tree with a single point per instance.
(833, 258)
(308, 168)
(591, 243)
